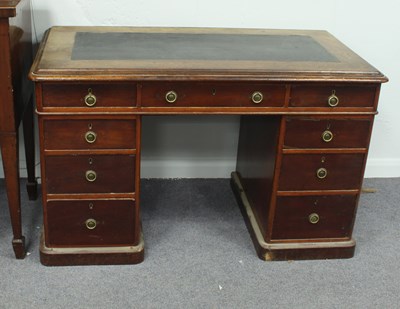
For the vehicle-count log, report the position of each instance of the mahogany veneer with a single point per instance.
(307, 105)
(306, 132)
(350, 95)
(62, 134)
(67, 227)
(114, 173)
(335, 214)
(108, 95)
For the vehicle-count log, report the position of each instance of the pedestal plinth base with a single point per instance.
(91, 255)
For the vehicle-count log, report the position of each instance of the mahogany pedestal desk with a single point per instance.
(15, 105)
(307, 105)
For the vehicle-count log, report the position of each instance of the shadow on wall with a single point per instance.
(189, 146)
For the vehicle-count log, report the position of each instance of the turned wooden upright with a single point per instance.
(16, 106)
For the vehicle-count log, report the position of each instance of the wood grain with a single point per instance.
(280, 144)
(66, 223)
(335, 217)
(66, 174)
(306, 132)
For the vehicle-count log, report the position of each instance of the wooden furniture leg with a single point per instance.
(29, 142)
(15, 99)
(9, 151)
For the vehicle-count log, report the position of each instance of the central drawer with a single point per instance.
(90, 223)
(195, 94)
(321, 172)
(90, 174)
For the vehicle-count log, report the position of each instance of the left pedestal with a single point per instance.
(90, 164)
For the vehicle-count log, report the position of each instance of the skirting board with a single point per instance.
(382, 168)
(189, 168)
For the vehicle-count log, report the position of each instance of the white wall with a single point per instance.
(205, 146)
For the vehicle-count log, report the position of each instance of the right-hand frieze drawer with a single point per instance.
(321, 172)
(207, 94)
(79, 134)
(312, 95)
(322, 132)
(90, 174)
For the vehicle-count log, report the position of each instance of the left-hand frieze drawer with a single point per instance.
(90, 174)
(90, 223)
(87, 95)
(89, 134)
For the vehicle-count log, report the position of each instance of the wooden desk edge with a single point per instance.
(8, 8)
(65, 75)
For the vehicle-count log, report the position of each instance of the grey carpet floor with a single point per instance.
(199, 255)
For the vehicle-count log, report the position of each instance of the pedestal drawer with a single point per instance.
(89, 134)
(320, 132)
(90, 174)
(90, 223)
(321, 172)
(212, 94)
(307, 217)
(332, 95)
(89, 96)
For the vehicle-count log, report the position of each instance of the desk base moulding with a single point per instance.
(91, 255)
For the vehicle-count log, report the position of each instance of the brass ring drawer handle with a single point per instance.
(90, 175)
(313, 218)
(257, 97)
(91, 224)
(333, 100)
(171, 96)
(90, 98)
(327, 136)
(322, 173)
(90, 137)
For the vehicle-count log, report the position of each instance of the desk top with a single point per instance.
(7, 8)
(126, 53)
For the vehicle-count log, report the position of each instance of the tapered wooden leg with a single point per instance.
(29, 142)
(9, 152)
